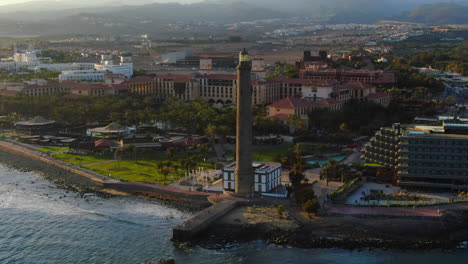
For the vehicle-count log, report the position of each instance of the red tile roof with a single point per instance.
(139, 79)
(284, 79)
(218, 76)
(292, 103)
(177, 78)
(8, 92)
(262, 82)
(328, 101)
(351, 86)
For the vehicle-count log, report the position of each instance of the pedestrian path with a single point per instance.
(418, 211)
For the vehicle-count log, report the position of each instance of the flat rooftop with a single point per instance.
(258, 166)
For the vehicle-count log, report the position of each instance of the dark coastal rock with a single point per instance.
(166, 261)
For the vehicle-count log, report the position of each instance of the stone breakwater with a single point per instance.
(80, 179)
(192, 227)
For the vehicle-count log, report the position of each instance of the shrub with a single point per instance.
(311, 206)
(280, 210)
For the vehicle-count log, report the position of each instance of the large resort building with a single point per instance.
(213, 86)
(423, 156)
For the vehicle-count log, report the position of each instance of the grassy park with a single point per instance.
(50, 149)
(149, 167)
(79, 159)
(269, 153)
(154, 171)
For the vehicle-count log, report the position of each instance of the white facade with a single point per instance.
(83, 76)
(174, 56)
(125, 67)
(318, 92)
(29, 60)
(8, 66)
(29, 55)
(206, 66)
(266, 178)
(58, 67)
(258, 68)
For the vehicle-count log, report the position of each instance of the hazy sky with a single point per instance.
(7, 2)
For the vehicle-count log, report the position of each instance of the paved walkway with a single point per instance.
(419, 211)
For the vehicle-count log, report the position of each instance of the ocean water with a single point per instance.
(40, 223)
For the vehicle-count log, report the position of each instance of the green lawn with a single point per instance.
(78, 159)
(4, 136)
(142, 170)
(268, 153)
(52, 149)
(372, 165)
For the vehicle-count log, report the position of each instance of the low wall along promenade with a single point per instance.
(22, 155)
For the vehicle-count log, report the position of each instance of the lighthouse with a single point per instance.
(244, 173)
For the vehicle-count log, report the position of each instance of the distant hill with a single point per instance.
(150, 18)
(436, 14)
(348, 11)
(208, 11)
(50, 17)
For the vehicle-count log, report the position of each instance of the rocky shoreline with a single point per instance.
(219, 236)
(70, 181)
(348, 232)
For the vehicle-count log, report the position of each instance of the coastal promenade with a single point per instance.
(29, 152)
(381, 211)
(150, 190)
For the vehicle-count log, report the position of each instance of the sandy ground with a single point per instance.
(253, 215)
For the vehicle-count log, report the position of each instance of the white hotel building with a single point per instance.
(266, 178)
(99, 71)
(86, 72)
(83, 76)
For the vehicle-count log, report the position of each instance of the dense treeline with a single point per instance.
(196, 117)
(27, 75)
(80, 110)
(411, 78)
(449, 59)
(58, 56)
(363, 117)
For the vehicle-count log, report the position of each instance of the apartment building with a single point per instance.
(422, 156)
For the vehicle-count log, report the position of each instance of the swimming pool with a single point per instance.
(322, 162)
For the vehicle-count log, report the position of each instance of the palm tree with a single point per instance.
(12, 119)
(170, 152)
(204, 150)
(331, 170)
(188, 163)
(210, 132)
(131, 148)
(118, 155)
(296, 175)
(165, 172)
(295, 123)
(159, 166)
(298, 153)
(222, 131)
